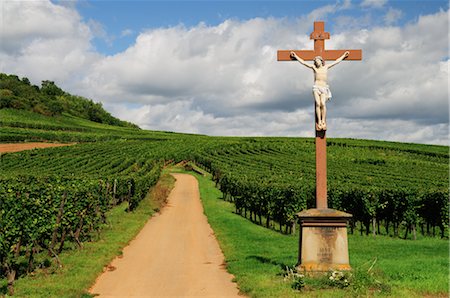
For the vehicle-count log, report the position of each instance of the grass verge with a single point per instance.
(81, 267)
(382, 266)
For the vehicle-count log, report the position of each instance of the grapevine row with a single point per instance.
(378, 192)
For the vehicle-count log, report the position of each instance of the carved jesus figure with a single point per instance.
(321, 90)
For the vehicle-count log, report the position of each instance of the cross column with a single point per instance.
(321, 170)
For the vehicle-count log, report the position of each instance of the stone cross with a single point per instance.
(319, 35)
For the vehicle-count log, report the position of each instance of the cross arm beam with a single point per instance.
(285, 55)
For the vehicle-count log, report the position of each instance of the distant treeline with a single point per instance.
(50, 100)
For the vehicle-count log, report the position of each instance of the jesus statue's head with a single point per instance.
(319, 60)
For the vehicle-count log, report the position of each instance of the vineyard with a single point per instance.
(391, 187)
(57, 198)
(62, 199)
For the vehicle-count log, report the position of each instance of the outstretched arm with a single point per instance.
(294, 55)
(345, 55)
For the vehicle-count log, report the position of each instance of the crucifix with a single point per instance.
(321, 93)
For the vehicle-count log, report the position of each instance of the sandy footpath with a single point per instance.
(15, 147)
(175, 255)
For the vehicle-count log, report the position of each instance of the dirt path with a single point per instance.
(176, 254)
(15, 147)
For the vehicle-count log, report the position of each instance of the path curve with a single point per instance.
(176, 254)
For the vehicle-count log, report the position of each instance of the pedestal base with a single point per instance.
(323, 240)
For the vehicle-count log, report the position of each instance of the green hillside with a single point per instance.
(21, 126)
(50, 100)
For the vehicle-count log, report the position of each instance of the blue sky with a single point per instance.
(122, 21)
(210, 67)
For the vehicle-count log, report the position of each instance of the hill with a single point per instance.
(50, 100)
(23, 126)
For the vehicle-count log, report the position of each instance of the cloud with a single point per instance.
(380, 129)
(321, 13)
(346, 4)
(225, 80)
(126, 32)
(373, 3)
(231, 69)
(185, 116)
(226, 69)
(99, 31)
(392, 16)
(41, 40)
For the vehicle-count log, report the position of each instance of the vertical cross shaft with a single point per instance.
(321, 170)
(319, 35)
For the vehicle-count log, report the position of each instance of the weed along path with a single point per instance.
(176, 254)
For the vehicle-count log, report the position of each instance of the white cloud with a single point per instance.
(41, 40)
(126, 32)
(321, 13)
(225, 80)
(373, 3)
(226, 69)
(346, 4)
(184, 116)
(392, 16)
(390, 130)
(99, 31)
(231, 69)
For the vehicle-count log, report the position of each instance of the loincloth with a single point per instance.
(322, 90)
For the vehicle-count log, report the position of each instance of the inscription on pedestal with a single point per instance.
(326, 236)
(325, 255)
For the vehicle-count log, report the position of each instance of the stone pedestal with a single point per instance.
(323, 240)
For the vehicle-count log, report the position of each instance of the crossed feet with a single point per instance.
(321, 126)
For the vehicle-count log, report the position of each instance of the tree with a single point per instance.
(49, 88)
(26, 81)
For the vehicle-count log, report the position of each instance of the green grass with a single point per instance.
(81, 267)
(257, 258)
